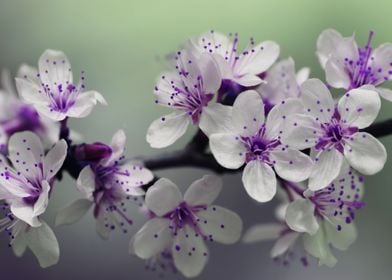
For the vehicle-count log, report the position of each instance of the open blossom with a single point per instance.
(52, 90)
(25, 186)
(332, 131)
(17, 116)
(106, 184)
(348, 66)
(243, 67)
(282, 82)
(189, 90)
(262, 144)
(181, 225)
(326, 216)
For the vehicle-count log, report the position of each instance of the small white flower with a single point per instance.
(189, 91)
(182, 224)
(332, 131)
(243, 67)
(106, 185)
(27, 184)
(326, 216)
(282, 82)
(53, 92)
(348, 66)
(263, 144)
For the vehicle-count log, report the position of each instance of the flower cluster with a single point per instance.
(287, 134)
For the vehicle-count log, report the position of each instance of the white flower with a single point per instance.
(332, 131)
(183, 224)
(106, 185)
(25, 187)
(188, 90)
(348, 66)
(52, 91)
(282, 82)
(263, 144)
(326, 216)
(27, 184)
(243, 67)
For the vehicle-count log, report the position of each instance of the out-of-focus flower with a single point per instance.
(332, 131)
(262, 144)
(348, 66)
(327, 216)
(52, 90)
(106, 182)
(182, 224)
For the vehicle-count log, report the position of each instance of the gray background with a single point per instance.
(121, 45)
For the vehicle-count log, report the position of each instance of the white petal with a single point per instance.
(359, 107)
(30, 73)
(248, 80)
(216, 118)
(280, 114)
(54, 159)
(263, 232)
(26, 154)
(380, 62)
(153, 238)
(365, 153)
(259, 181)
(283, 244)
(163, 197)
(43, 244)
(342, 239)
(42, 202)
(220, 224)
(291, 164)
(302, 75)
(85, 103)
(203, 191)
(258, 59)
(166, 130)
(317, 100)
(317, 246)
(248, 113)
(327, 44)
(19, 244)
(54, 69)
(301, 132)
(73, 212)
(326, 168)
(300, 216)
(86, 182)
(25, 213)
(228, 150)
(117, 144)
(189, 252)
(31, 93)
(386, 93)
(209, 71)
(336, 75)
(133, 175)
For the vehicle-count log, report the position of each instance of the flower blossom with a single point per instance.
(52, 90)
(189, 90)
(332, 131)
(244, 67)
(326, 216)
(181, 225)
(348, 66)
(25, 186)
(106, 184)
(262, 144)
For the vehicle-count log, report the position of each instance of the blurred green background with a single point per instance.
(122, 47)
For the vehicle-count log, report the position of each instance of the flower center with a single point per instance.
(259, 147)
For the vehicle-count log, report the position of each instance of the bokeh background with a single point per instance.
(122, 47)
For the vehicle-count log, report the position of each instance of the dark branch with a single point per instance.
(380, 129)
